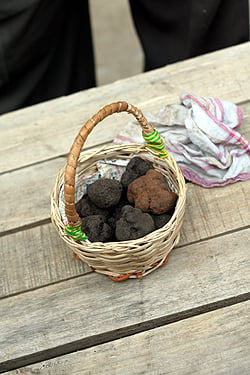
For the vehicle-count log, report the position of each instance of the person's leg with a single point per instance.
(172, 30)
(218, 24)
(162, 27)
(45, 51)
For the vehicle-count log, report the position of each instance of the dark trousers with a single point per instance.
(46, 46)
(172, 30)
(45, 50)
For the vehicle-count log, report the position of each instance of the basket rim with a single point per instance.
(131, 258)
(89, 154)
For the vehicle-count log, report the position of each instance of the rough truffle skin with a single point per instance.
(137, 167)
(105, 192)
(150, 193)
(97, 229)
(161, 220)
(115, 211)
(133, 224)
(85, 207)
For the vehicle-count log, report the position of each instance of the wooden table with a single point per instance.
(58, 317)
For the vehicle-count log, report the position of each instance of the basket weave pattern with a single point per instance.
(122, 259)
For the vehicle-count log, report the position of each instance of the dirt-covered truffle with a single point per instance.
(105, 192)
(133, 224)
(112, 223)
(137, 167)
(115, 211)
(150, 193)
(97, 229)
(85, 207)
(161, 220)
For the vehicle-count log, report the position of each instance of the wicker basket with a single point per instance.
(124, 259)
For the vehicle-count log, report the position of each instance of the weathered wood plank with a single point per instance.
(27, 190)
(214, 343)
(210, 212)
(78, 309)
(52, 126)
(244, 129)
(25, 194)
(35, 257)
(28, 195)
(42, 257)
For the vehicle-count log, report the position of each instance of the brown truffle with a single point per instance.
(150, 193)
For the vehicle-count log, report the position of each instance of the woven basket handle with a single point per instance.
(70, 172)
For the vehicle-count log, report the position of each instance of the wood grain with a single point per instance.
(42, 258)
(51, 305)
(28, 196)
(34, 258)
(210, 212)
(210, 344)
(25, 194)
(53, 125)
(79, 309)
(27, 191)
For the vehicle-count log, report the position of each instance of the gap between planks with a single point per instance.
(120, 333)
(53, 260)
(210, 274)
(87, 271)
(50, 120)
(213, 343)
(62, 156)
(245, 104)
(37, 181)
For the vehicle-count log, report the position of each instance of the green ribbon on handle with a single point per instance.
(156, 143)
(76, 233)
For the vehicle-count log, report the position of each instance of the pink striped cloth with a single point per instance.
(201, 134)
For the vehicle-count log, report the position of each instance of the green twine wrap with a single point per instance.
(76, 232)
(155, 142)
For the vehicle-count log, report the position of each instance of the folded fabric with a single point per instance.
(200, 133)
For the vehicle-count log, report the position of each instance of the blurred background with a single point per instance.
(123, 57)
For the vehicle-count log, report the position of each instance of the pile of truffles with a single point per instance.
(128, 209)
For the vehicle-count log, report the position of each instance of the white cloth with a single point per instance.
(200, 133)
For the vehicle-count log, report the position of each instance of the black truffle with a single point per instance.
(115, 211)
(105, 192)
(161, 220)
(137, 167)
(112, 223)
(97, 229)
(85, 207)
(79, 206)
(133, 224)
